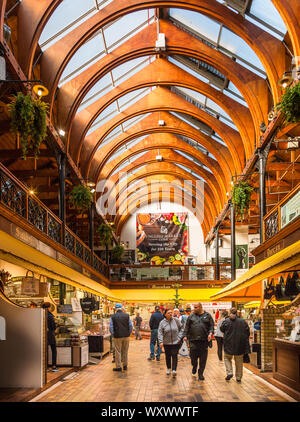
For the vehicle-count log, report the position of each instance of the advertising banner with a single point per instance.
(162, 238)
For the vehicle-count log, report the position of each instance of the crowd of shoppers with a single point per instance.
(170, 328)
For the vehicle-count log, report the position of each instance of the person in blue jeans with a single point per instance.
(155, 319)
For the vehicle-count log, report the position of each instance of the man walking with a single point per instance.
(120, 327)
(198, 331)
(236, 343)
(155, 319)
(137, 326)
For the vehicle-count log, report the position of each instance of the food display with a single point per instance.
(162, 239)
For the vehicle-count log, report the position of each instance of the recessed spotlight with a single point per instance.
(61, 132)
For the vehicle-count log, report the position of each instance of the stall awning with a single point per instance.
(248, 286)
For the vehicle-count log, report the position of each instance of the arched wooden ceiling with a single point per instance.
(225, 148)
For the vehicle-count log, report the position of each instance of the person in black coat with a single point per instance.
(51, 326)
(236, 343)
(155, 319)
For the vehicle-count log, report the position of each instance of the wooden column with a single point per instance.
(232, 224)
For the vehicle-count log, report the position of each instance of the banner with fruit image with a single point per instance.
(162, 239)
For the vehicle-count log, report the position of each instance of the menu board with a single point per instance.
(290, 210)
(162, 238)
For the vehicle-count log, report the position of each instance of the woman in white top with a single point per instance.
(219, 335)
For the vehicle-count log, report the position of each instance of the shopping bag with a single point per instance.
(184, 351)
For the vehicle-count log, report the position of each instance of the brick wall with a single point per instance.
(268, 333)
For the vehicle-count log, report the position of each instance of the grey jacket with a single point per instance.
(170, 332)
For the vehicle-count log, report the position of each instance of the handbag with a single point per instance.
(246, 358)
(269, 290)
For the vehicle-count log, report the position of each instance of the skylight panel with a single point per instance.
(67, 16)
(125, 27)
(197, 22)
(268, 14)
(84, 57)
(187, 69)
(125, 70)
(238, 46)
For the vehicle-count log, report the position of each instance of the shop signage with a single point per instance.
(162, 238)
(290, 210)
(64, 309)
(257, 325)
(76, 304)
(87, 305)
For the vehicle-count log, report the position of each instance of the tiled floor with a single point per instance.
(147, 381)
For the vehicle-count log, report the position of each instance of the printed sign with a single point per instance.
(162, 238)
(290, 210)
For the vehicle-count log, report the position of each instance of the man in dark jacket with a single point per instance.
(51, 327)
(120, 327)
(155, 319)
(236, 343)
(199, 328)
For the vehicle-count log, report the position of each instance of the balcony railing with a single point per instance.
(147, 272)
(16, 196)
(286, 211)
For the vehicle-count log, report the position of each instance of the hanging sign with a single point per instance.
(162, 238)
(87, 305)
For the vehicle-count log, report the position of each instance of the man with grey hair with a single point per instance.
(236, 343)
(198, 330)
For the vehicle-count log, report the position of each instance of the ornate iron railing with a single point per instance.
(16, 196)
(282, 214)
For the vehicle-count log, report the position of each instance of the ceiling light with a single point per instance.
(31, 191)
(61, 132)
(161, 123)
(40, 90)
(159, 158)
(93, 190)
(286, 80)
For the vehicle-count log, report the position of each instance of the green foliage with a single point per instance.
(29, 121)
(105, 233)
(117, 252)
(241, 194)
(81, 197)
(290, 104)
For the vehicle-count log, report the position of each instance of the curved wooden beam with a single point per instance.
(290, 12)
(173, 125)
(162, 73)
(173, 157)
(264, 45)
(158, 100)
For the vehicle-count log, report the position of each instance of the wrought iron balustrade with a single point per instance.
(16, 197)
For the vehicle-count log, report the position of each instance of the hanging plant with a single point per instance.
(241, 194)
(117, 252)
(29, 121)
(81, 197)
(290, 104)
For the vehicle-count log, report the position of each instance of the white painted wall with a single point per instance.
(196, 242)
(21, 354)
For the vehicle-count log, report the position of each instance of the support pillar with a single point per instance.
(91, 227)
(232, 224)
(62, 196)
(217, 274)
(262, 162)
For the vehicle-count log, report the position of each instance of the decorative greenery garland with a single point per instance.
(241, 194)
(81, 197)
(29, 121)
(290, 104)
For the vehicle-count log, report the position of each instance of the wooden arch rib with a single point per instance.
(158, 170)
(158, 197)
(161, 99)
(173, 157)
(57, 56)
(173, 125)
(163, 73)
(290, 13)
(166, 147)
(252, 87)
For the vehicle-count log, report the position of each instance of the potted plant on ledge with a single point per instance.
(106, 235)
(116, 253)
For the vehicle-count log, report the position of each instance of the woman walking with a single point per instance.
(170, 333)
(219, 335)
